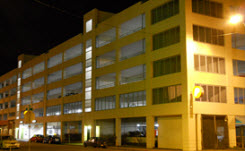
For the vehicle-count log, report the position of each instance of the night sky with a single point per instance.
(35, 26)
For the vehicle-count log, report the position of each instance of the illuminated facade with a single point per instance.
(129, 77)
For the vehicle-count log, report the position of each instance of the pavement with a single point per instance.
(79, 147)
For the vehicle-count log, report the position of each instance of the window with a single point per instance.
(73, 70)
(72, 89)
(239, 68)
(38, 83)
(213, 93)
(105, 103)
(12, 92)
(238, 41)
(26, 87)
(12, 114)
(89, 25)
(165, 11)
(55, 60)
(6, 94)
(133, 99)
(53, 110)
(39, 68)
(208, 35)
(167, 94)
(26, 100)
(5, 105)
(54, 94)
(166, 38)
(106, 37)
(239, 95)
(12, 103)
(37, 97)
(38, 112)
(132, 50)
(27, 73)
(209, 64)
(13, 79)
(55, 76)
(5, 116)
(133, 74)
(132, 26)
(106, 81)
(166, 66)
(71, 108)
(73, 52)
(209, 8)
(106, 59)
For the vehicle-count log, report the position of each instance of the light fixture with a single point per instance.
(236, 19)
(197, 92)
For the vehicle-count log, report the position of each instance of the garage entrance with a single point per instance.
(214, 132)
(170, 132)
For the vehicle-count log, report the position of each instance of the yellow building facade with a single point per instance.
(129, 77)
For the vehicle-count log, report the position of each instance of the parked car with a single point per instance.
(7, 141)
(52, 139)
(95, 142)
(37, 138)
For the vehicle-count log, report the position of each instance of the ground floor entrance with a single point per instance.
(214, 132)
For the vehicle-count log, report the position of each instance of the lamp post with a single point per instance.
(235, 20)
(197, 92)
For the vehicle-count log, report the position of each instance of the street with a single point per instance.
(58, 147)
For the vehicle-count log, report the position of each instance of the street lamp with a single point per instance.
(197, 92)
(236, 19)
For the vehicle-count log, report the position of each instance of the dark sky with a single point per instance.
(35, 26)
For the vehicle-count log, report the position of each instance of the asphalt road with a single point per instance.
(57, 147)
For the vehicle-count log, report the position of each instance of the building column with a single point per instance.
(118, 132)
(150, 132)
(188, 133)
(231, 131)
(44, 129)
(61, 131)
(199, 131)
(82, 131)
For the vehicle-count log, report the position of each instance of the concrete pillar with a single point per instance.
(188, 133)
(118, 132)
(61, 131)
(150, 132)
(44, 128)
(232, 130)
(199, 131)
(82, 131)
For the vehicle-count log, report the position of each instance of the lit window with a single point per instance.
(89, 25)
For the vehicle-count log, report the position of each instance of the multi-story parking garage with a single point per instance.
(129, 78)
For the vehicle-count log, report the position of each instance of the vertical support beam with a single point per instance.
(199, 131)
(188, 133)
(44, 128)
(61, 131)
(82, 131)
(150, 134)
(232, 131)
(118, 132)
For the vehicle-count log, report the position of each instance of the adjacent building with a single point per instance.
(129, 78)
